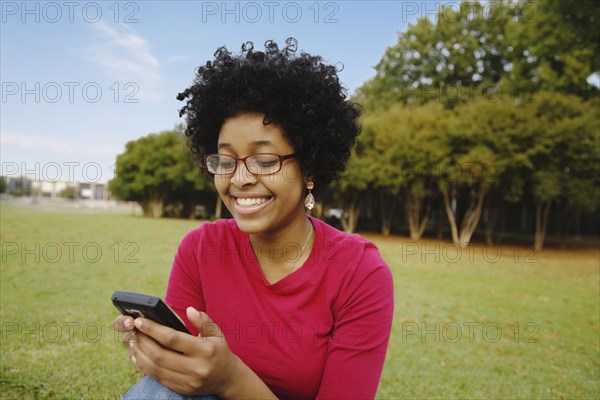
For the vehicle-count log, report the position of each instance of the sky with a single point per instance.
(81, 79)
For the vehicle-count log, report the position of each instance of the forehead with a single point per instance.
(246, 132)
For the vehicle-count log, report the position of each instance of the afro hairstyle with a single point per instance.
(299, 93)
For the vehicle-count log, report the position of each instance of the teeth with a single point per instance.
(251, 202)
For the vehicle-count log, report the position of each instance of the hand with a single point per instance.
(124, 323)
(187, 364)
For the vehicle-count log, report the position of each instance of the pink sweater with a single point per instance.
(320, 332)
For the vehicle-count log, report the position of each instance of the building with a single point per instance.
(21, 186)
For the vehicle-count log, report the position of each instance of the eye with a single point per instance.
(226, 164)
(267, 163)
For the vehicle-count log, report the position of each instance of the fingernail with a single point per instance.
(131, 344)
(137, 323)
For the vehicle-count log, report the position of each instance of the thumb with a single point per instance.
(201, 320)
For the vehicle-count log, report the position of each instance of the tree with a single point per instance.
(357, 178)
(565, 158)
(69, 192)
(156, 169)
(509, 134)
(473, 49)
(555, 46)
(462, 174)
(582, 187)
(198, 190)
(488, 144)
(405, 146)
(386, 178)
(446, 61)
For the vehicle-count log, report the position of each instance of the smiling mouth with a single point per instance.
(250, 202)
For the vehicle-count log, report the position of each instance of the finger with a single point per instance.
(123, 323)
(129, 337)
(174, 380)
(167, 337)
(150, 355)
(201, 320)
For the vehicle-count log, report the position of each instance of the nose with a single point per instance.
(242, 176)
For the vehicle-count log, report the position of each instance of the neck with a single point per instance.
(281, 253)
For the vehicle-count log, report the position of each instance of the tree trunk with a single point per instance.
(388, 204)
(351, 213)
(491, 227)
(450, 215)
(152, 208)
(416, 222)
(152, 205)
(439, 225)
(189, 207)
(191, 212)
(471, 217)
(567, 216)
(350, 218)
(542, 210)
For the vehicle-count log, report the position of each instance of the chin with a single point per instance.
(248, 225)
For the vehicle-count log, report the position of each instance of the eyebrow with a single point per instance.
(256, 143)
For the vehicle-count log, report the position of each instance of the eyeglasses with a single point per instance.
(257, 164)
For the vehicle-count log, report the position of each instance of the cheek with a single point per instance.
(289, 186)
(221, 183)
(291, 174)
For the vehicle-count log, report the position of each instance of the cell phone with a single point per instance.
(151, 307)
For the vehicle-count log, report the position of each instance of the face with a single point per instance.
(260, 204)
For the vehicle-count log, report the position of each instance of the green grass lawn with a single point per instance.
(490, 322)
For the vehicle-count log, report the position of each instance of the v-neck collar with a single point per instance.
(295, 278)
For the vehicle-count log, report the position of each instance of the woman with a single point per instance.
(279, 303)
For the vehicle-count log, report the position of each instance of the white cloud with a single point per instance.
(128, 57)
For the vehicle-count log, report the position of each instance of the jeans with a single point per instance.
(148, 388)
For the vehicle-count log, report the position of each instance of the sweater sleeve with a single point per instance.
(185, 286)
(363, 318)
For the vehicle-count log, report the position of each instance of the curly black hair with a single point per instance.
(300, 94)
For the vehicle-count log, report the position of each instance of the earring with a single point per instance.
(309, 202)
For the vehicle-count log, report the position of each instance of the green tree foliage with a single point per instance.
(378, 146)
(488, 100)
(350, 190)
(486, 146)
(564, 158)
(450, 61)
(69, 192)
(155, 170)
(479, 49)
(405, 148)
(555, 45)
